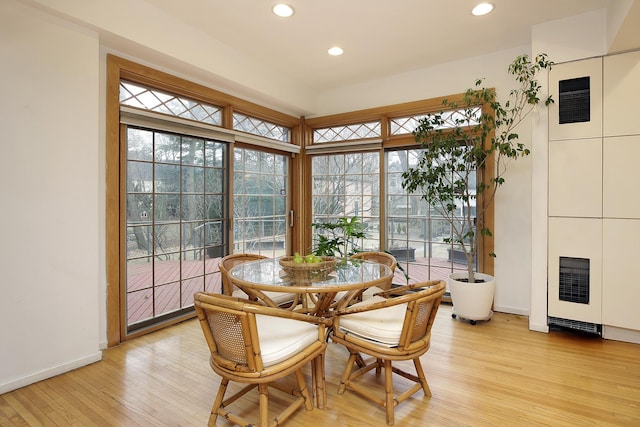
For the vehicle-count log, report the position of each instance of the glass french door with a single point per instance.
(176, 208)
(260, 202)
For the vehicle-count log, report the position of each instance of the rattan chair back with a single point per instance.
(380, 257)
(230, 261)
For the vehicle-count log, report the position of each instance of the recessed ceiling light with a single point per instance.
(335, 51)
(482, 9)
(283, 10)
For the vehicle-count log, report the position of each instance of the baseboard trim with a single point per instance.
(48, 373)
(538, 327)
(511, 310)
(620, 334)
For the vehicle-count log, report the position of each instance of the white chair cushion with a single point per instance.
(282, 338)
(382, 326)
(239, 293)
(278, 298)
(368, 293)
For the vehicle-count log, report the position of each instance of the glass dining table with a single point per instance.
(318, 297)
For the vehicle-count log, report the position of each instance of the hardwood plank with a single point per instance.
(26, 409)
(494, 373)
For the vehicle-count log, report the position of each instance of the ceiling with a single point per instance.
(380, 38)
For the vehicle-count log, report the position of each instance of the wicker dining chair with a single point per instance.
(257, 345)
(230, 261)
(392, 326)
(379, 257)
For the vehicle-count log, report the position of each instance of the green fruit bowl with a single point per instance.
(308, 272)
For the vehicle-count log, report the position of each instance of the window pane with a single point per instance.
(140, 144)
(192, 151)
(215, 207)
(260, 127)
(166, 239)
(139, 96)
(418, 235)
(166, 207)
(139, 177)
(167, 178)
(192, 179)
(347, 185)
(192, 207)
(167, 148)
(214, 180)
(214, 154)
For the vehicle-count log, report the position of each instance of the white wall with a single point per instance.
(564, 40)
(442, 80)
(49, 255)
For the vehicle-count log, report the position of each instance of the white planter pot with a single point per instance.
(472, 301)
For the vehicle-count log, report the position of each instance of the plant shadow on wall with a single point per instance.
(467, 148)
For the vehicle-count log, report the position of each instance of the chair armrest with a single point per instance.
(423, 289)
(251, 307)
(255, 307)
(401, 290)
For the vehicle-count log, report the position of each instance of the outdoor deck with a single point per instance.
(143, 303)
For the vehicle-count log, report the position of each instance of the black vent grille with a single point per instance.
(575, 325)
(574, 103)
(574, 280)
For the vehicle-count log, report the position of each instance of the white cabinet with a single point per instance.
(594, 176)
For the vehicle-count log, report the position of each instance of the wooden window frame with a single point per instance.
(300, 164)
(390, 142)
(121, 69)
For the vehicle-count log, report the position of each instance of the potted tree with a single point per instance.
(467, 148)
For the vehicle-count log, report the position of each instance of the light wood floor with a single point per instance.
(496, 373)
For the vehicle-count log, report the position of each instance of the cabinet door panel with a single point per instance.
(621, 87)
(576, 238)
(575, 178)
(621, 175)
(620, 284)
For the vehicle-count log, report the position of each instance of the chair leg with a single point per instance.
(263, 389)
(421, 377)
(360, 361)
(347, 372)
(388, 390)
(302, 385)
(319, 381)
(218, 402)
